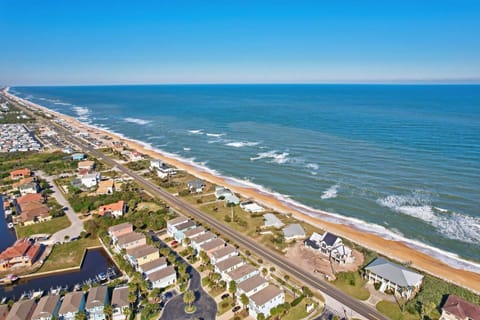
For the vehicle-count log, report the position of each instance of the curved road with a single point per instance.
(274, 258)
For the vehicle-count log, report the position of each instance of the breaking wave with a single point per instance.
(216, 135)
(274, 155)
(330, 193)
(137, 121)
(196, 131)
(241, 144)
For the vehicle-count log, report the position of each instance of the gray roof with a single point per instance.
(252, 283)
(21, 310)
(196, 184)
(241, 271)
(96, 297)
(265, 295)
(162, 273)
(120, 227)
(225, 251)
(141, 251)
(120, 297)
(203, 237)
(130, 237)
(153, 264)
(71, 302)
(184, 226)
(212, 244)
(228, 263)
(293, 230)
(394, 272)
(46, 307)
(194, 231)
(272, 221)
(177, 220)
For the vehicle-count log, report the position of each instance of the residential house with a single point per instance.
(193, 233)
(87, 164)
(251, 207)
(116, 209)
(47, 308)
(331, 246)
(120, 303)
(223, 253)
(119, 230)
(20, 174)
(265, 300)
(293, 231)
(181, 229)
(23, 181)
(142, 254)
(106, 187)
(210, 246)
(129, 241)
(163, 277)
(37, 197)
(155, 164)
(196, 186)
(197, 241)
(394, 277)
(33, 212)
(135, 156)
(172, 223)
(90, 180)
(456, 308)
(31, 187)
(221, 192)
(22, 310)
(3, 311)
(232, 199)
(241, 273)
(229, 264)
(97, 299)
(72, 303)
(251, 286)
(24, 252)
(78, 156)
(271, 221)
(152, 266)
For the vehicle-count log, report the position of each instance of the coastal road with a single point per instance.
(359, 308)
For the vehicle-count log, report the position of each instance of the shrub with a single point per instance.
(377, 285)
(297, 301)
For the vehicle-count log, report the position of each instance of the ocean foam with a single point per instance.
(450, 224)
(186, 149)
(200, 131)
(216, 135)
(62, 103)
(137, 121)
(274, 155)
(241, 144)
(330, 193)
(81, 111)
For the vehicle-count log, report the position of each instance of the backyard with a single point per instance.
(47, 227)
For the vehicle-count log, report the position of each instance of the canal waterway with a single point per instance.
(96, 261)
(7, 236)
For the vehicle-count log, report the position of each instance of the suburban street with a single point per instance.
(332, 295)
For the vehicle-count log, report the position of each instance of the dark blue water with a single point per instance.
(401, 161)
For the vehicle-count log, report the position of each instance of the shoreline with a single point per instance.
(395, 249)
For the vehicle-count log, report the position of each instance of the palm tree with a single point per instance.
(108, 310)
(189, 298)
(171, 257)
(81, 316)
(232, 288)
(244, 300)
(204, 257)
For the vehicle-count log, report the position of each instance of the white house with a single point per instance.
(197, 241)
(196, 186)
(90, 179)
(229, 264)
(331, 246)
(227, 195)
(180, 229)
(271, 221)
(97, 299)
(130, 240)
(251, 207)
(193, 233)
(264, 300)
(72, 303)
(241, 274)
(393, 276)
(223, 254)
(251, 286)
(172, 223)
(293, 231)
(27, 188)
(155, 164)
(153, 266)
(120, 303)
(163, 278)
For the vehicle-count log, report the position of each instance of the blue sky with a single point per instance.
(116, 42)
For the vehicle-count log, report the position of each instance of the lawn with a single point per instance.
(47, 227)
(299, 311)
(392, 310)
(68, 255)
(353, 284)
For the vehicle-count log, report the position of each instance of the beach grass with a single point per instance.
(68, 255)
(47, 227)
(353, 284)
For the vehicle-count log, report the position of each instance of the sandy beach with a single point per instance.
(393, 249)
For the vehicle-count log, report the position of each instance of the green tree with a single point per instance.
(244, 300)
(171, 257)
(260, 316)
(189, 298)
(232, 288)
(108, 310)
(81, 316)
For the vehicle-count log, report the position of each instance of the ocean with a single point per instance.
(402, 161)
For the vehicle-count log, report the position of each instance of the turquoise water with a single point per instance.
(401, 161)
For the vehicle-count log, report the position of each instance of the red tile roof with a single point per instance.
(461, 308)
(20, 173)
(31, 197)
(21, 248)
(117, 206)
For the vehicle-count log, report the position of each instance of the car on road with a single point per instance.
(225, 296)
(174, 243)
(236, 309)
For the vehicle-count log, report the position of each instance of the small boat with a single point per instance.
(3, 300)
(102, 276)
(77, 287)
(26, 295)
(38, 294)
(10, 225)
(54, 291)
(12, 278)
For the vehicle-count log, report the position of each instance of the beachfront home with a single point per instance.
(231, 199)
(172, 223)
(156, 164)
(180, 229)
(106, 187)
(222, 254)
(135, 156)
(22, 310)
(142, 254)
(251, 286)
(97, 299)
(20, 174)
(221, 192)
(116, 209)
(120, 303)
(78, 156)
(72, 303)
(193, 233)
(330, 245)
(251, 207)
(152, 266)
(271, 221)
(89, 165)
(31, 187)
(265, 300)
(23, 253)
(196, 186)
(293, 231)
(119, 230)
(456, 308)
(394, 277)
(47, 308)
(130, 240)
(229, 264)
(197, 241)
(211, 246)
(90, 180)
(163, 278)
(241, 274)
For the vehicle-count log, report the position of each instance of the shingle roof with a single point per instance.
(212, 244)
(120, 297)
(153, 264)
(203, 237)
(228, 263)
(194, 231)
(162, 273)
(185, 225)
(222, 252)
(46, 307)
(394, 272)
(96, 297)
(120, 226)
(272, 221)
(293, 230)
(141, 251)
(21, 310)
(241, 271)
(177, 220)
(71, 302)
(461, 308)
(130, 237)
(265, 295)
(252, 283)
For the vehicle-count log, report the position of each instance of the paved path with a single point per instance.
(76, 226)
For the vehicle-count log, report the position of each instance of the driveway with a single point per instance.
(76, 226)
